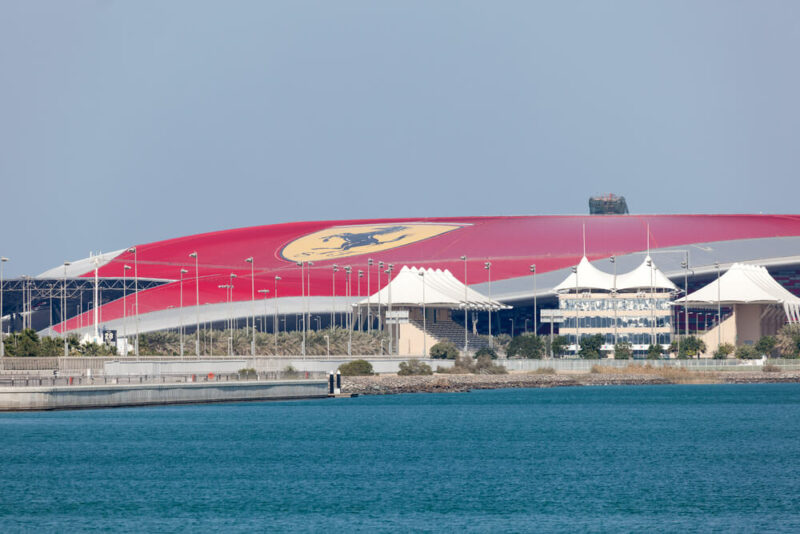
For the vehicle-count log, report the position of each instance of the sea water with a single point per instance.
(649, 459)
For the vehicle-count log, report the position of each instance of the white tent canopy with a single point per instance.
(745, 284)
(588, 277)
(644, 277)
(442, 290)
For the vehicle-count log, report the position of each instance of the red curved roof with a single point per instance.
(510, 243)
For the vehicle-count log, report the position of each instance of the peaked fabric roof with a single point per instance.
(745, 284)
(588, 277)
(442, 290)
(645, 276)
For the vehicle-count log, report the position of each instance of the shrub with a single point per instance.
(724, 350)
(356, 368)
(590, 347)
(414, 367)
(485, 366)
(527, 346)
(462, 366)
(747, 352)
(486, 351)
(465, 365)
(559, 345)
(766, 345)
(771, 368)
(623, 351)
(444, 350)
(290, 372)
(788, 341)
(544, 371)
(654, 352)
(247, 373)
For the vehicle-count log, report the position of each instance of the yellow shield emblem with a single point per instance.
(346, 241)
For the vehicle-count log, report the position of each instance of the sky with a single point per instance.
(130, 122)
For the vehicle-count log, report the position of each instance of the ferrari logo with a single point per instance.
(346, 241)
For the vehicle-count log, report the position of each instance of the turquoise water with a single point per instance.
(656, 459)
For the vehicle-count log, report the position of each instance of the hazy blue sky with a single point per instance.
(129, 122)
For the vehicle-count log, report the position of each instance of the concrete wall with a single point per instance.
(173, 367)
(109, 396)
(378, 365)
(728, 336)
(412, 341)
(748, 323)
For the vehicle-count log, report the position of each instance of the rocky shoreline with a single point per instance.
(447, 383)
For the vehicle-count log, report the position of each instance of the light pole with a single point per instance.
(135, 297)
(424, 319)
(348, 290)
(309, 265)
(303, 299)
(389, 306)
(3, 260)
(227, 288)
(577, 319)
(369, 290)
(63, 307)
(685, 266)
(197, 302)
(125, 269)
(253, 298)
(180, 309)
(233, 317)
(719, 307)
(277, 325)
(333, 292)
(613, 260)
(488, 266)
(264, 292)
(380, 322)
(512, 326)
(533, 273)
(466, 298)
(360, 276)
(652, 306)
(328, 344)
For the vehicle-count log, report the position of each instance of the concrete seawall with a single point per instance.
(111, 396)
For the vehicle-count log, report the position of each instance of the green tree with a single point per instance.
(788, 341)
(590, 347)
(723, 351)
(97, 349)
(51, 346)
(559, 345)
(623, 351)
(766, 345)
(444, 350)
(747, 352)
(691, 346)
(24, 343)
(356, 368)
(486, 351)
(654, 351)
(527, 346)
(414, 367)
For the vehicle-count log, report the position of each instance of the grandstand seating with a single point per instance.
(453, 332)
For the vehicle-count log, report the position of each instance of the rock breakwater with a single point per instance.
(391, 384)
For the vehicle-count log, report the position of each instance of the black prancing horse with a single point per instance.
(364, 239)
